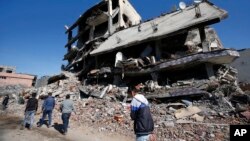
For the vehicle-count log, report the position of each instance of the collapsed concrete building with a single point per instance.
(175, 49)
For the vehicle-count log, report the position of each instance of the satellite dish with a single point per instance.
(182, 5)
(197, 1)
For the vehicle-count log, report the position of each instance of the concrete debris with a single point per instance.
(11, 89)
(198, 118)
(176, 105)
(118, 118)
(189, 111)
(240, 108)
(187, 103)
(246, 114)
(103, 92)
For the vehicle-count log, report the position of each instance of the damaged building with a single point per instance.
(179, 48)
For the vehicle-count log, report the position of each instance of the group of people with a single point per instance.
(140, 113)
(49, 103)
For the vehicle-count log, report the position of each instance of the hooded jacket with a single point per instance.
(140, 113)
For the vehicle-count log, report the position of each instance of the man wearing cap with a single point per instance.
(140, 113)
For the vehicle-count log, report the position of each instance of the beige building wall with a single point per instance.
(15, 79)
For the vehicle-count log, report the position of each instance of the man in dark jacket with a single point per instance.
(140, 113)
(5, 102)
(48, 106)
(30, 111)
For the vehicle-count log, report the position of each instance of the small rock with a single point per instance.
(168, 124)
(212, 135)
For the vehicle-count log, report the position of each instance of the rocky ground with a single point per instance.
(10, 131)
(100, 115)
(103, 111)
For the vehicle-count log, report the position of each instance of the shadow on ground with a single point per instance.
(58, 127)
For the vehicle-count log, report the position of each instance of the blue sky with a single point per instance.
(32, 31)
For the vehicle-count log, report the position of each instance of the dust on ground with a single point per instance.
(10, 131)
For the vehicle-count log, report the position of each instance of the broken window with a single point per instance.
(2, 77)
(101, 29)
(115, 20)
(84, 37)
(115, 3)
(173, 47)
(9, 71)
(126, 20)
(197, 72)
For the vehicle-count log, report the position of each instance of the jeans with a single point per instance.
(29, 118)
(65, 119)
(45, 113)
(142, 137)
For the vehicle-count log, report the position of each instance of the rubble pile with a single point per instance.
(11, 89)
(106, 108)
(60, 88)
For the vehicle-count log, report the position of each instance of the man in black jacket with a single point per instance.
(30, 111)
(140, 113)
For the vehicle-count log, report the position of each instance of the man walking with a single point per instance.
(48, 106)
(30, 111)
(5, 102)
(66, 108)
(140, 113)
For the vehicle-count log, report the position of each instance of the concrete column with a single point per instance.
(120, 18)
(204, 42)
(91, 33)
(110, 11)
(210, 71)
(117, 79)
(69, 39)
(158, 50)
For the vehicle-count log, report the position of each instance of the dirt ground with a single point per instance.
(10, 131)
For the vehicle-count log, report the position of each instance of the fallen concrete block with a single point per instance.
(198, 118)
(189, 111)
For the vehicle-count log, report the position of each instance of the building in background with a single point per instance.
(41, 82)
(8, 69)
(8, 76)
(242, 64)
